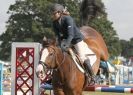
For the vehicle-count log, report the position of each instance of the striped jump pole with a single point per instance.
(99, 88)
(117, 89)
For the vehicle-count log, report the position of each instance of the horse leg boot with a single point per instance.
(89, 71)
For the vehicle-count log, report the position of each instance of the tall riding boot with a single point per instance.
(89, 70)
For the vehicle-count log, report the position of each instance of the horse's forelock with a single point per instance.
(49, 42)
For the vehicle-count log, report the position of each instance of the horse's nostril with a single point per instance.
(40, 62)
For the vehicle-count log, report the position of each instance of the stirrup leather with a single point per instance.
(76, 60)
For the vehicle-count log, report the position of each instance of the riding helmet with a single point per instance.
(57, 8)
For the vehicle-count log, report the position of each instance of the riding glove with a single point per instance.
(65, 45)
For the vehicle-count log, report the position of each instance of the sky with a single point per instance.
(120, 12)
(4, 5)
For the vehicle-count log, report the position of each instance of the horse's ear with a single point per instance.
(45, 41)
(48, 41)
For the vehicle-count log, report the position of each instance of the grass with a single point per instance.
(105, 93)
(100, 93)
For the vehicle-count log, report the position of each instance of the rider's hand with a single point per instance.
(65, 45)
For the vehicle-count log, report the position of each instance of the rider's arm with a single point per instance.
(56, 31)
(70, 29)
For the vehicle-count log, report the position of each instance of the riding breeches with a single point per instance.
(85, 52)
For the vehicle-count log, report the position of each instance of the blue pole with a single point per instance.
(132, 72)
(1, 78)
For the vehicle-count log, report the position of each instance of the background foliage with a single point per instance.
(30, 20)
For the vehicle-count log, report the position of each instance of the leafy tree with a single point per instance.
(91, 9)
(108, 33)
(30, 21)
(127, 48)
(97, 18)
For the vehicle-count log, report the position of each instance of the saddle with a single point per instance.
(73, 53)
(76, 59)
(81, 66)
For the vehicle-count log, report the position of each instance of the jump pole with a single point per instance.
(1, 78)
(104, 88)
(24, 60)
(116, 89)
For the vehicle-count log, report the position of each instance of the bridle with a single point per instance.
(56, 60)
(59, 64)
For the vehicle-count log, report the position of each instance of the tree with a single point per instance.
(30, 21)
(93, 14)
(127, 48)
(24, 25)
(108, 33)
(90, 9)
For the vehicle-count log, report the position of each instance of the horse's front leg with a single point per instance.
(58, 91)
(73, 92)
(57, 85)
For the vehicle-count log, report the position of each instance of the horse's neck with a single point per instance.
(64, 57)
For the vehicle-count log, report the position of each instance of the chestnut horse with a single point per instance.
(67, 78)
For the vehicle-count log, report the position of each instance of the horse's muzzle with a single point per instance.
(44, 65)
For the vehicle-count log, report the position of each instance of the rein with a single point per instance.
(48, 71)
(56, 60)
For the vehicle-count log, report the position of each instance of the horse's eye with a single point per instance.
(50, 54)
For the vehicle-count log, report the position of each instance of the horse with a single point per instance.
(67, 79)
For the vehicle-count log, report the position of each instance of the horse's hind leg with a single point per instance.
(95, 66)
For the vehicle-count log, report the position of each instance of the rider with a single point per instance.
(68, 33)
